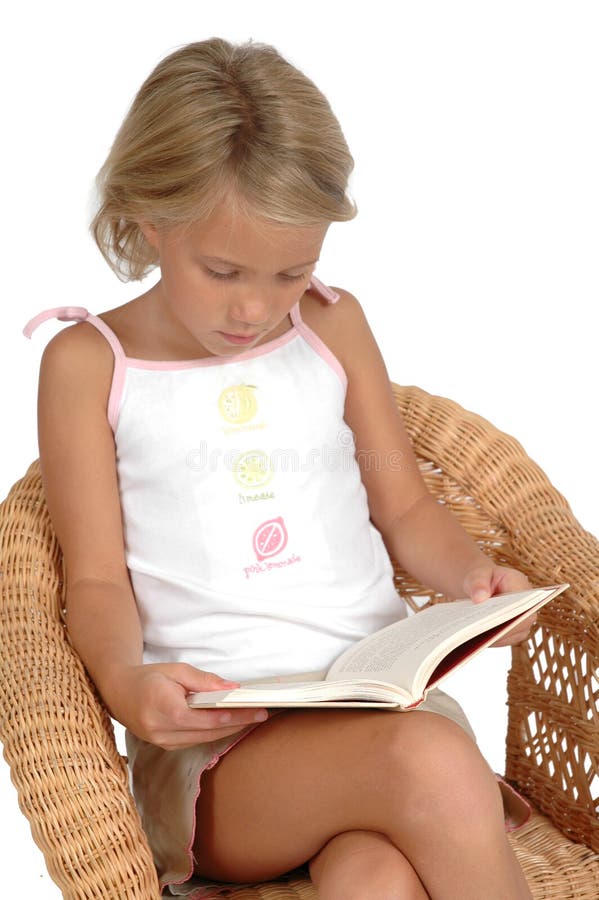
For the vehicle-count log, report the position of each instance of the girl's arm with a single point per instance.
(421, 534)
(80, 487)
(77, 459)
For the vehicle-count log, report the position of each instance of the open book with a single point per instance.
(397, 665)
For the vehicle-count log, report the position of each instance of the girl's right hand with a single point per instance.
(150, 700)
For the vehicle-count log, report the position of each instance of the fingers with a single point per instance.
(486, 580)
(257, 715)
(186, 719)
(158, 711)
(206, 726)
(194, 679)
(518, 635)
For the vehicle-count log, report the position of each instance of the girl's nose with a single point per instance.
(251, 311)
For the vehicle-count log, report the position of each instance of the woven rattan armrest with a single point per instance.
(58, 738)
(510, 507)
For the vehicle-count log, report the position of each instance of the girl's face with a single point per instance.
(228, 276)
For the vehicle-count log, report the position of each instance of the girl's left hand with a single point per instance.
(486, 581)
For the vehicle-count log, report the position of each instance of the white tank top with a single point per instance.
(246, 523)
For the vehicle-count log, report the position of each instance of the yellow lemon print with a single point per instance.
(252, 469)
(238, 403)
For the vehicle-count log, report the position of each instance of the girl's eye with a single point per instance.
(221, 274)
(225, 275)
(295, 277)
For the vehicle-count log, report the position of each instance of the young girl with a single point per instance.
(227, 474)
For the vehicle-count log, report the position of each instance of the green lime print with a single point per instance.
(252, 469)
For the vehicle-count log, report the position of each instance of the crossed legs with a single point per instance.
(383, 805)
(364, 864)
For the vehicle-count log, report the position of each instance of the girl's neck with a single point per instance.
(147, 330)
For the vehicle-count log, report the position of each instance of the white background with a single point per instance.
(475, 131)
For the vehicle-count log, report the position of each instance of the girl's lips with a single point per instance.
(238, 339)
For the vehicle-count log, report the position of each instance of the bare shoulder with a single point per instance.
(81, 354)
(341, 325)
(344, 328)
(347, 304)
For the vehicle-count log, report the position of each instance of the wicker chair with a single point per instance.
(59, 741)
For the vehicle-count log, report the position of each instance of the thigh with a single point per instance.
(276, 798)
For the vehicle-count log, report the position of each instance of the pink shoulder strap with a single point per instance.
(64, 313)
(328, 293)
(311, 337)
(76, 314)
(81, 314)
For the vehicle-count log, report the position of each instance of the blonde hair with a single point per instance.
(215, 116)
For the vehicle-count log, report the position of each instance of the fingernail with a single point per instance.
(261, 716)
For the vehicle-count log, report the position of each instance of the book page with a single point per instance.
(398, 652)
(378, 656)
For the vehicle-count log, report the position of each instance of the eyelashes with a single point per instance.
(220, 275)
(230, 275)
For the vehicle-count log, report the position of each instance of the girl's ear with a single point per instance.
(150, 232)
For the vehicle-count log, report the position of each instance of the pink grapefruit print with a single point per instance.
(269, 538)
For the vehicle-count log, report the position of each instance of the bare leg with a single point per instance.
(364, 865)
(304, 777)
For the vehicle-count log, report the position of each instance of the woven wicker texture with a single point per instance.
(59, 740)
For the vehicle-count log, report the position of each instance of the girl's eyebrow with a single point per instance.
(229, 262)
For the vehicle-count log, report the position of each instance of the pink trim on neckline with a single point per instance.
(205, 361)
(318, 286)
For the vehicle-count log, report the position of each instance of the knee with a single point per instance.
(363, 865)
(440, 772)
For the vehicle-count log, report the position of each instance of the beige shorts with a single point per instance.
(166, 785)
